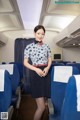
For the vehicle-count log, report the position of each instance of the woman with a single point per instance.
(40, 55)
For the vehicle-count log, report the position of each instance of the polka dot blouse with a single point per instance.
(38, 54)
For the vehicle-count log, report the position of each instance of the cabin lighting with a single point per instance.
(74, 44)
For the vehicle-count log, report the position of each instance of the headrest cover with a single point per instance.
(77, 78)
(8, 67)
(2, 80)
(62, 73)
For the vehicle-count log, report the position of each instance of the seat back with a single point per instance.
(5, 90)
(59, 79)
(20, 68)
(71, 106)
(15, 78)
(3, 62)
(55, 64)
(14, 74)
(74, 64)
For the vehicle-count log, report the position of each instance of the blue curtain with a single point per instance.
(20, 44)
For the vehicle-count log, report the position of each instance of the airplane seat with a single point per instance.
(65, 62)
(3, 62)
(74, 64)
(15, 80)
(71, 105)
(55, 64)
(16, 90)
(5, 93)
(20, 68)
(59, 79)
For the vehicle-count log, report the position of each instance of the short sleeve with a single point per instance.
(49, 51)
(26, 52)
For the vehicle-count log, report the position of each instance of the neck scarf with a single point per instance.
(40, 42)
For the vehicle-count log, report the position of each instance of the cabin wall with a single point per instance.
(71, 54)
(8, 50)
(68, 54)
(0, 55)
(49, 39)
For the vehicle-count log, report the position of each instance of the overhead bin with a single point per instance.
(62, 35)
(3, 40)
(70, 36)
(76, 33)
(62, 42)
(74, 26)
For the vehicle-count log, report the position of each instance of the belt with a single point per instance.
(40, 65)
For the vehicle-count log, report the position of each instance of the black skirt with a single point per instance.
(40, 86)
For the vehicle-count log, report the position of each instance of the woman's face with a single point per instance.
(39, 35)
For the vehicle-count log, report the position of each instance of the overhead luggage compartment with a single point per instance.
(70, 36)
(3, 40)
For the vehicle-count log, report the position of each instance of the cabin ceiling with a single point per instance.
(21, 15)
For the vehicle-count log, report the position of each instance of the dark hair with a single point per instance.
(39, 27)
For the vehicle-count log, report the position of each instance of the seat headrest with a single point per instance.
(8, 67)
(2, 74)
(62, 73)
(77, 79)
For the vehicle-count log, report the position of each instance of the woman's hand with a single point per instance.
(45, 71)
(39, 72)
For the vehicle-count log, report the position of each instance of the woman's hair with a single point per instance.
(39, 27)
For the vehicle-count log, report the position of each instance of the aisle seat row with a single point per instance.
(5, 93)
(10, 92)
(19, 66)
(65, 93)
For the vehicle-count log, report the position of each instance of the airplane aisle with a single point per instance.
(27, 109)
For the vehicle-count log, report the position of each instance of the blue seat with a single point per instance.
(5, 92)
(20, 68)
(65, 62)
(15, 77)
(74, 64)
(16, 90)
(55, 64)
(3, 62)
(71, 106)
(15, 80)
(58, 86)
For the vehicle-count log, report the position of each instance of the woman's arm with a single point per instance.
(49, 63)
(31, 67)
(26, 64)
(46, 69)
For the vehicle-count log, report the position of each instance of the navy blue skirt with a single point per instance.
(40, 86)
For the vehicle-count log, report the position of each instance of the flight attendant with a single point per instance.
(40, 55)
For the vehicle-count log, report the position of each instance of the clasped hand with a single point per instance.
(42, 73)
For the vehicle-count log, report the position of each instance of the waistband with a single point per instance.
(40, 65)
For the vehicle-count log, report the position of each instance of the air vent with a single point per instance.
(63, 41)
(2, 43)
(3, 40)
(76, 33)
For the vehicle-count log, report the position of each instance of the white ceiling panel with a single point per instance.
(66, 8)
(10, 18)
(30, 12)
(56, 17)
(57, 22)
(26, 14)
(5, 6)
(8, 22)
